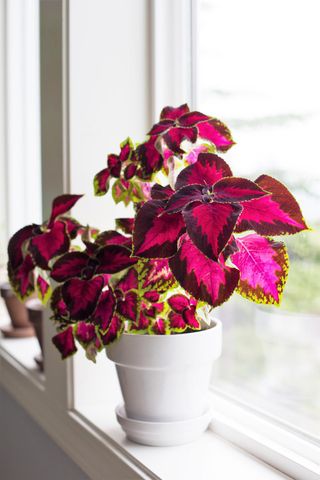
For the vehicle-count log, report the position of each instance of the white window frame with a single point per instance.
(89, 432)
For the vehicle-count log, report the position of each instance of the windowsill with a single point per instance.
(209, 457)
(89, 433)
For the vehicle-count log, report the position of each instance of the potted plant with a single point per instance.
(147, 289)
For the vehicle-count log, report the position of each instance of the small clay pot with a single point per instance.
(35, 312)
(20, 326)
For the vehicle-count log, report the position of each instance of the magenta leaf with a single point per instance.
(277, 214)
(156, 233)
(112, 237)
(101, 182)
(68, 266)
(158, 192)
(183, 197)
(234, 189)
(203, 278)
(125, 224)
(64, 342)
(263, 266)
(178, 303)
(114, 331)
(48, 245)
(216, 132)
(176, 135)
(81, 296)
(172, 113)
(104, 312)
(114, 258)
(61, 205)
(210, 225)
(207, 170)
(16, 244)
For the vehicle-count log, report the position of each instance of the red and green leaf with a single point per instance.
(101, 182)
(114, 258)
(69, 266)
(48, 245)
(216, 132)
(16, 244)
(125, 224)
(234, 189)
(85, 333)
(183, 197)
(156, 232)
(176, 135)
(203, 278)
(58, 305)
(128, 307)
(210, 225)
(277, 214)
(43, 286)
(64, 342)
(263, 266)
(104, 312)
(178, 303)
(81, 296)
(149, 158)
(115, 329)
(158, 192)
(122, 191)
(22, 278)
(112, 237)
(172, 113)
(62, 205)
(207, 170)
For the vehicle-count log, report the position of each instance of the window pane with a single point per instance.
(258, 70)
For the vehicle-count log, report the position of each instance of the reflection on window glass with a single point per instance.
(258, 71)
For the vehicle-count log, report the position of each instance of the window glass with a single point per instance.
(258, 70)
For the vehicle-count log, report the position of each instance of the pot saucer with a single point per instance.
(163, 434)
(22, 332)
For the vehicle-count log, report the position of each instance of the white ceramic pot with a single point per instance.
(164, 381)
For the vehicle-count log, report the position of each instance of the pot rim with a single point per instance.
(216, 323)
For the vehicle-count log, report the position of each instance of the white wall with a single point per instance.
(26, 451)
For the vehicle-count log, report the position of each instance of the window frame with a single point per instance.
(51, 402)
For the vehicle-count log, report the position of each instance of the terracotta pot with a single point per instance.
(35, 312)
(20, 326)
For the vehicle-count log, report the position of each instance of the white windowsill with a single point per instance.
(87, 433)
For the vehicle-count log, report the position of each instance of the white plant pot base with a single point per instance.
(163, 434)
(164, 381)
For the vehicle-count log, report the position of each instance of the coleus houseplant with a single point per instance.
(198, 235)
